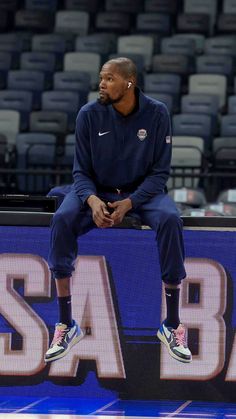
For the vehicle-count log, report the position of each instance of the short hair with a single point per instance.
(126, 67)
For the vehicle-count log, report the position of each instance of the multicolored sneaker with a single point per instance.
(176, 342)
(64, 339)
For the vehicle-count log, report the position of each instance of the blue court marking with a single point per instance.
(174, 409)
(91, 407)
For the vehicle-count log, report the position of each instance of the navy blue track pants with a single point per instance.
(73, 219)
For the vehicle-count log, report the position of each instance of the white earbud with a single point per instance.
(129, 84)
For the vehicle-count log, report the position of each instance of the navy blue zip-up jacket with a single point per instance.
(131, 152)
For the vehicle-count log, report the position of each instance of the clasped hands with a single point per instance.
(110, 214)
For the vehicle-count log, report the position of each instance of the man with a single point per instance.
(121, 166)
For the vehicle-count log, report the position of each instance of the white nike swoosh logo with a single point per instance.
(103, 133)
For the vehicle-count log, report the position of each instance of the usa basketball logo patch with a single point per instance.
(142, 134)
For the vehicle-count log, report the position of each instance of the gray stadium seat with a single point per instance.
(229, 6)
(188, 197)
(39, 61)
(213, 84)
(137, 44)
(10, 125)
(162, 83)
(89, 62)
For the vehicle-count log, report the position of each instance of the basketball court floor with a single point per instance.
(72, 408)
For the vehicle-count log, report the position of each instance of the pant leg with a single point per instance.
(161, 214)
(71, 220)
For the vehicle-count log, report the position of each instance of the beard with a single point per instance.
(107, 100)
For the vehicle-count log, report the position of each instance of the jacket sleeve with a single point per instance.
(155, 181)
(82, 169)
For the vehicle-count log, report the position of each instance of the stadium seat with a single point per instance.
(75, 81)
(89, 62)
(160, 6)
(224, 153)
(34, 20)
(179, 46)
(208, 7)
(26, 80)
(198, 38)
(200, 103)
(9, 5)
(228, 126)
(172, 63)
(229, 6)
(93, 95)
(232, 104)
(62, 101)
(227, 196)
(76, 22)
(100, 43)
(90, 6)
(35, 151)
(10, 126)
(131, 6)
(187, 159)
(220, 45)
(47, 5)
(194, 22)
(215, 64)
(226, 23)
(164, 83)
(53, 122)
(53, 42)
(153, 23)
(17, 100)
(166, 98)
(214, 84)
(188, 197)
(137, 44)
(193, 125)
(39, 61)
(115, 22)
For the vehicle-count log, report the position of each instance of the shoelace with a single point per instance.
(58, 336)
(179, 335)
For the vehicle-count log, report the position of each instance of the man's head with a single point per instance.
(118, 78)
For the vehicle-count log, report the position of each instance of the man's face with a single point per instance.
(112, 85)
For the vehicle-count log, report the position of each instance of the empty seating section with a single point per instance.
(51, 52)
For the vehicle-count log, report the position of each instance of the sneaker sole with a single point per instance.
(173, 355)
(61, 355)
